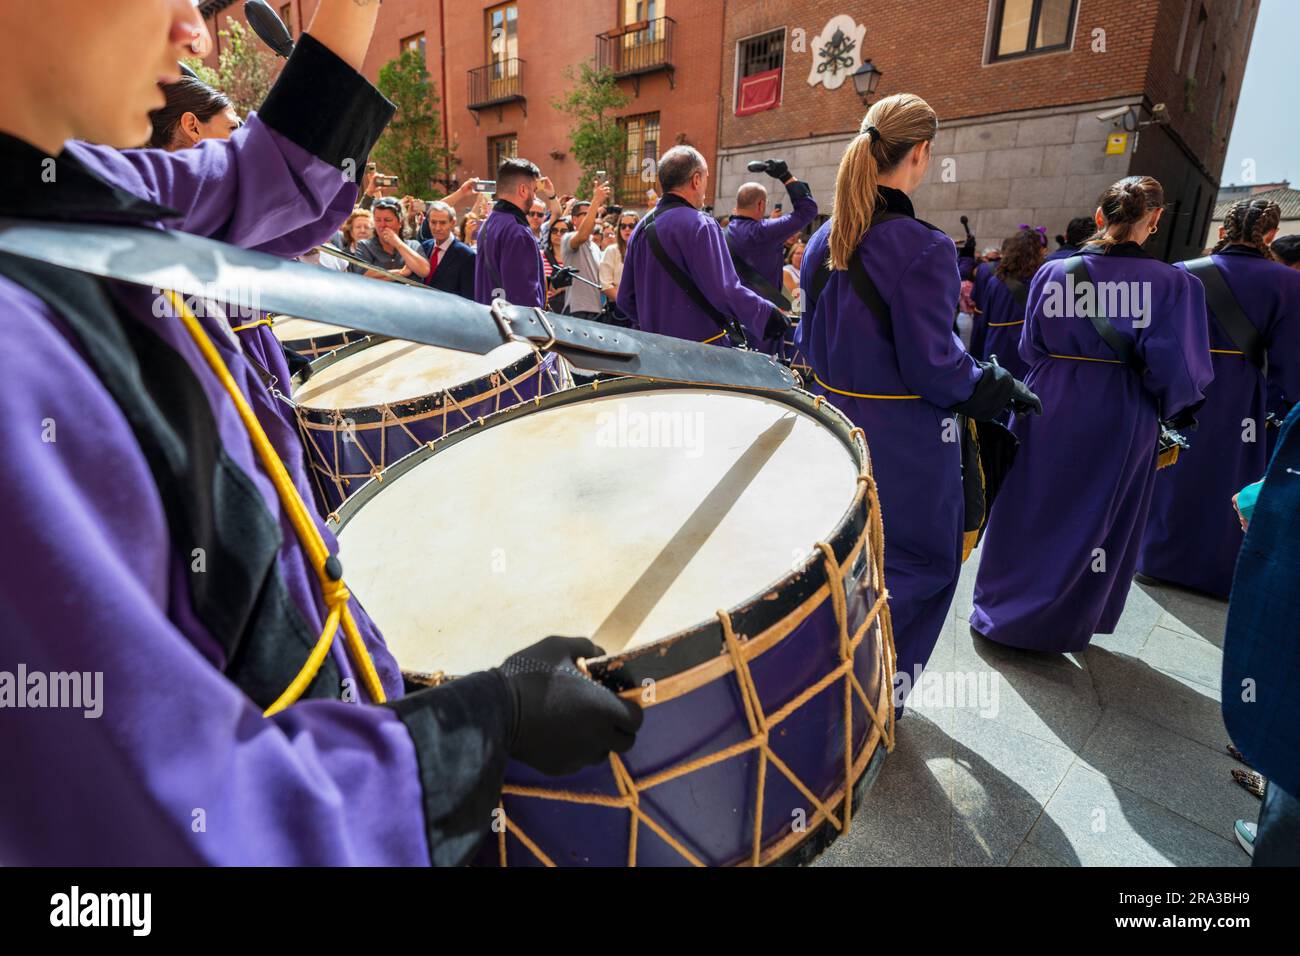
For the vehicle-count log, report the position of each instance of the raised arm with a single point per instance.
(283, 182)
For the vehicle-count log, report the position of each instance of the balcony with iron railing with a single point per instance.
(638, 49)
(497, 84)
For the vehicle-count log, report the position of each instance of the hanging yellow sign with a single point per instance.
(1116, 144)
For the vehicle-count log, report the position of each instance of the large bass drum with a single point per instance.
(723, 546)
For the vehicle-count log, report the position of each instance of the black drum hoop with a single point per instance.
(463, 393)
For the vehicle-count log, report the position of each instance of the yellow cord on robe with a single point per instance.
(1226, 352)
(334, 593)
(251, 325)
(838, 391)
(1000, 325)
(715, 338)
(1085, 358)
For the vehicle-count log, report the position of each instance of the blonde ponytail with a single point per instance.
(888, 133)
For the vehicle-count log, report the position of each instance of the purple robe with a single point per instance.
(181, 767)
(693, 240)
(508, 261)
(996, 327)
(1062, 539)
(1192, 533)
(914, 442)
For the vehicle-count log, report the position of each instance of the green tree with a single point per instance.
(245, 69)
(411, 146)
(596, 139)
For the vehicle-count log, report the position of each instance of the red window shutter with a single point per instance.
(759, 92)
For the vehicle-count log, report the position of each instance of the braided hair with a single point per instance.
(1247, 223)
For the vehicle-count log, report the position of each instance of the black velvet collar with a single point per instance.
(506, 206)
(40, 186)
(890, 199)
(672, 199)
(1237, 249)
(1120, 250)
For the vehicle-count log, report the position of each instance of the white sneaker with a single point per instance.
(1246, 835)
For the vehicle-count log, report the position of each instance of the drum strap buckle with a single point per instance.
(498, 310)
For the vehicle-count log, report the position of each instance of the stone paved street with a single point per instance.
(1112, 757)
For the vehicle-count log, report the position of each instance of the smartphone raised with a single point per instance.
(485, 186)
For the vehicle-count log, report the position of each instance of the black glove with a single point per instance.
(564, 720)
(562, 277)
(777, 325)
(1022, 401)
(777, 169)
(967, 250)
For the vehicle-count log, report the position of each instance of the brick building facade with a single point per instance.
(497, 90)
(1020, 140)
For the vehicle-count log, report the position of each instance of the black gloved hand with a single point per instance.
(967, 250)
(564, 720)
(1022, 400)
(562, 277)
(777, 169)
(778, 324)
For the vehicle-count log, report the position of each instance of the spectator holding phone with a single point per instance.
(578, 251)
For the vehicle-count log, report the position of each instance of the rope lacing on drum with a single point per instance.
(761, 724)
(328, 571)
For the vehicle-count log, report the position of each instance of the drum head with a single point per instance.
(289, 329)
(394, 371)
(623, 517)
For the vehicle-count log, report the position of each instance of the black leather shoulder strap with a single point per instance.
(1019, 291)
(210, 504)
(1122, 347)
(858, 278)
(756, 281)
(1228, 313)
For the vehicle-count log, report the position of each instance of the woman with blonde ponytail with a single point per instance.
(1192, 535)
(880, 289)
(1116, 343)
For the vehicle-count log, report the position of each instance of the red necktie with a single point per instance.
(433, 263)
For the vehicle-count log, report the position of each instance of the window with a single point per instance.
(1196, 44)
(1024, 27)
(501, 148)
(415, 43)
(759, 62)
(641, 143)
(286, 14)
(502, 34)
(1182, 35)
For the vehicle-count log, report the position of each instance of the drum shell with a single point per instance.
(711, 810)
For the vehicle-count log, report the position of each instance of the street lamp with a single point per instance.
(865, 80)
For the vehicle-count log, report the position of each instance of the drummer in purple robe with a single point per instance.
(895, 367)
(1078, 232)
(678, 277)
(159, 610)
(1062, 540)
(1192, 534)
(1001, 291)
(508, 264)
(757, 240)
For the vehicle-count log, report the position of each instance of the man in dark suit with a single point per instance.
(451, 262)
(1261, 677)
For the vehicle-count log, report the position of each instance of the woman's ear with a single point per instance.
(190, 128)
(1099, 219)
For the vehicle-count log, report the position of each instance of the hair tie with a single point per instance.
(872, 133)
